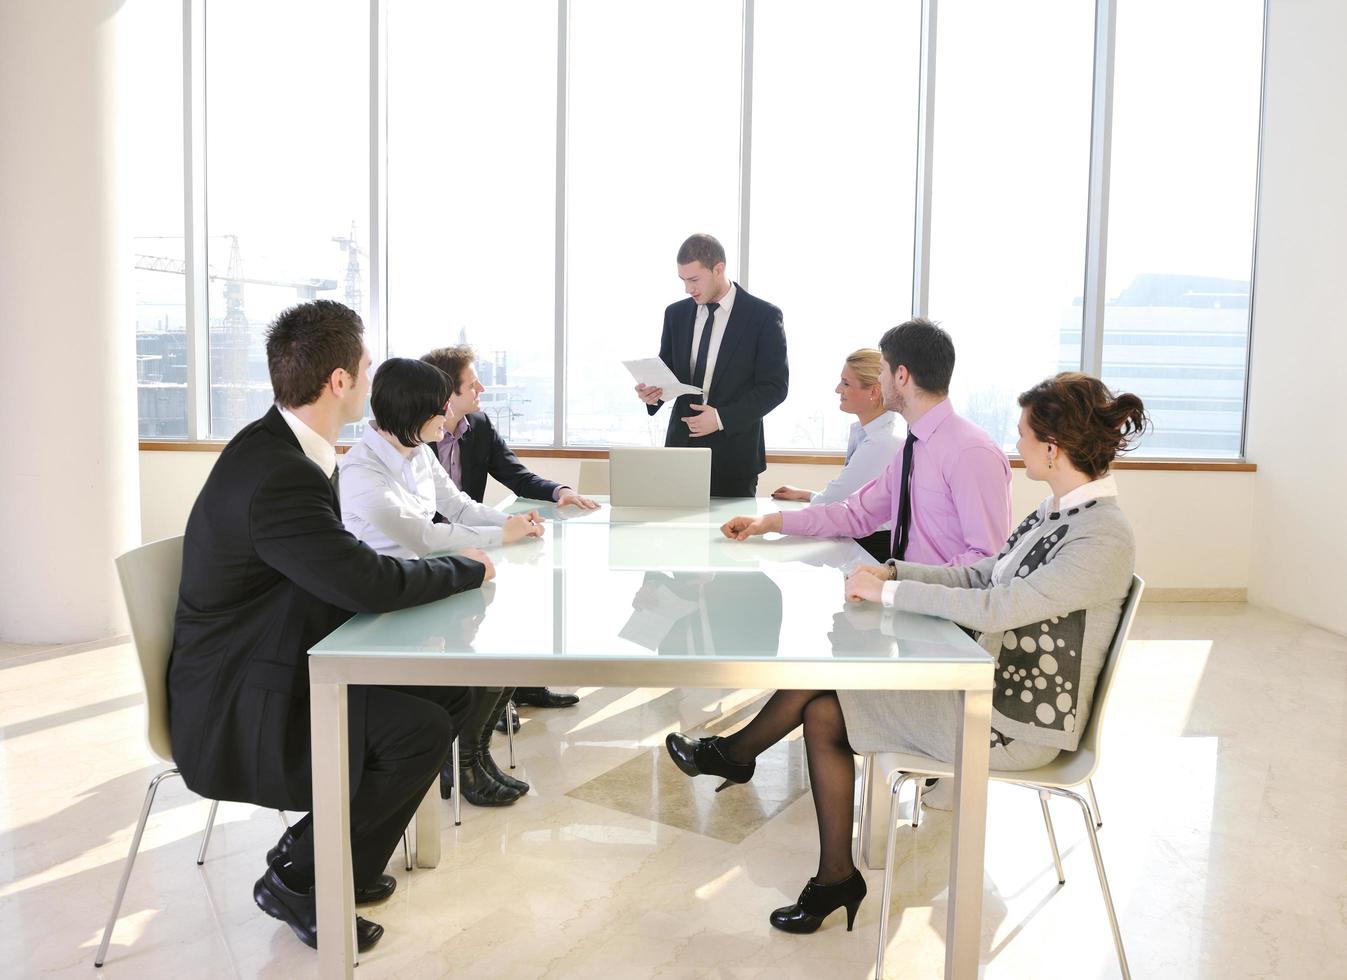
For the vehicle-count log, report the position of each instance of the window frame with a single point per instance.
(196, 219)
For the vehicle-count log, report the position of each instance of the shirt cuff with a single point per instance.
(888, 594)
(556, 494)
(720, 426)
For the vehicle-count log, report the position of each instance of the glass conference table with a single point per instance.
(645, 597)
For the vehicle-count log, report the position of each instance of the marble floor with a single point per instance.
(1223, 791)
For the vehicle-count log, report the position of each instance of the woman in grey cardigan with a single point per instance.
(1046, 607)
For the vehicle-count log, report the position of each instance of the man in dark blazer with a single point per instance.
(268, 571)
(474, 450)
(733, 346)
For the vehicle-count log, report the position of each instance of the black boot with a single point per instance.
(704, 756)
(484, 753)
(817, 902)
(476, 783)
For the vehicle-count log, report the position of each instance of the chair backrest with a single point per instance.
(593, 476)
(150, 576)
(1086, 757)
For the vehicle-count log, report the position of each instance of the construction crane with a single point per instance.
(353, 253)
(231, 349)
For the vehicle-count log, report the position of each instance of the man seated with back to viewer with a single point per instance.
(731, 345)
(474, 450)
(947, 493)
(268, 570)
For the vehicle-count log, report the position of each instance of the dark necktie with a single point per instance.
(900, 533)
(336, 483)
(704, 348)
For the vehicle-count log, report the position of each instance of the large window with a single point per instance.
(472, 196)
(532, 168)
(834, 157)
(287, 159)
(152, 172)
(1185, 159)
(652, 157)
(1010, 180)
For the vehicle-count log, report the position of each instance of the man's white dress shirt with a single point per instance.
(319, 450)
(389, 502)
(717, 336)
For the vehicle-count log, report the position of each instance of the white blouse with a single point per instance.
(389, 502)
(870, 448)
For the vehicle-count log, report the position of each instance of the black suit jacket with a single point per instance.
(751, 378)
(268, 570)
(482, 453)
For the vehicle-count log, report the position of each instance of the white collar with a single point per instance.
(385, 451)
(726, 302)
(318, 449)
(883, 422)
(1103, 487)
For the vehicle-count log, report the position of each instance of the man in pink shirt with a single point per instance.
(947, 494)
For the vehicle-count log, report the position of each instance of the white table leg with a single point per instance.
(964, 927)
(875, 826)
(334, 886)
(428, 828)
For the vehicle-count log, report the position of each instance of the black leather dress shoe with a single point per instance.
(300, 912)
(376, 891)
(541, 697)
(500, 722)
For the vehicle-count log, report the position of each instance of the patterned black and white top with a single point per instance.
(1046, 607)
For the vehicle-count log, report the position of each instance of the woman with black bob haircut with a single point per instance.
(1046, 608)
(398, 499)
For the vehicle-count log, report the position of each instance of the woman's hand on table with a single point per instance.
(864, 585)
(518, 526)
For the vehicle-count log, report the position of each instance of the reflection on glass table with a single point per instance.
(692, 613)
(720, 510)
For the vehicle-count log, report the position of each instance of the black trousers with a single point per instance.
(406, 737)
(741, 487)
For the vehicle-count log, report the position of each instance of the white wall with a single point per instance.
(68, 493)
(1192, 527)
(1295, 434)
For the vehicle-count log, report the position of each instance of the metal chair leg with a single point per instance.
(863, 820)
(407, 847)
(1103, 878)
(1094, 804)
(458, 816)
(511, 719)
(920, 786)
(895, 788)
(205, 838)
(284, 819)
(1052, 836)
(130, 861)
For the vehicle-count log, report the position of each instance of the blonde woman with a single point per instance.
(871, 445)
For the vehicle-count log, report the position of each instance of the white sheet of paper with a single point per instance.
(654, 373)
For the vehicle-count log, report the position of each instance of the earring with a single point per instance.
(1049, 462)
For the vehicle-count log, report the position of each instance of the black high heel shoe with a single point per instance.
(817, 902)
(704, 756)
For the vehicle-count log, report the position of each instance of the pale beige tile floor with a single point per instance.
(1223, 790)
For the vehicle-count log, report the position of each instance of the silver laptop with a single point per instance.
(659, 477)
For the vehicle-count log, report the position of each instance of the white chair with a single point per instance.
(593, 476)
(1067, 770)
(150, 576)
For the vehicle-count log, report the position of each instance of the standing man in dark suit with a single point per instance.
(733, 346)
(268, 570)
(472, 450)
